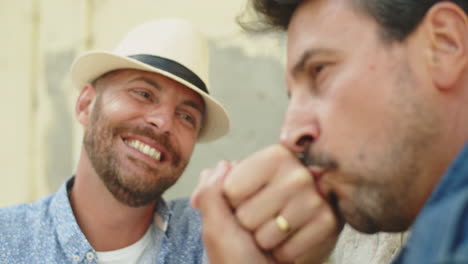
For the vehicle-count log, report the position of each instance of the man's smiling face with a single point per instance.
(141, 133)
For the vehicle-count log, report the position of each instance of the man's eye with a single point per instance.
(143, 94)
(316, 74)
(317, 69)
(188, 118)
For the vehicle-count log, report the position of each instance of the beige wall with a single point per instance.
(15, 102)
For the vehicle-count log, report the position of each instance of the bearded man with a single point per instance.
(143, 107)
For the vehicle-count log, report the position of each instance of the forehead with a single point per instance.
(326, 24)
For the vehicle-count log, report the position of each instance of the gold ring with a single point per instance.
(282, 224)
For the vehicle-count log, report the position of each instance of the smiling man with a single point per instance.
(143, 107)
(378, 114)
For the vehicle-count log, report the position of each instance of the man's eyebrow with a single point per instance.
(194, 105)
(307, 55)
(148, 81)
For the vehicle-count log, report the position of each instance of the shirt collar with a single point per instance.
(162, 215)
(69, 234)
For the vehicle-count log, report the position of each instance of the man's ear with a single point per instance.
(84, 104)
(448, 34)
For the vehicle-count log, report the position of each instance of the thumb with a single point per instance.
(208, 197)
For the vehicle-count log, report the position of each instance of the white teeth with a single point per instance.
(151, 152)
(157, 155)
(143, 148)
(146, 149)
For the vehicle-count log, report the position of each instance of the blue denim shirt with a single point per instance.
(46, 231)
(440, 232)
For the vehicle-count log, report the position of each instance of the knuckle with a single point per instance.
(302, 177)
(245, 218)
(312, 202)
(231, 191)
(298, 179)
(284, 254)
(328, 220)
(278, 152)
(263, 242)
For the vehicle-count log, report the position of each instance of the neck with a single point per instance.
(457, 120)
(106, 223)
(451, 122)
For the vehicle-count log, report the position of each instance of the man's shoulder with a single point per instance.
(23, 227)
(18, 222)
(25, 212)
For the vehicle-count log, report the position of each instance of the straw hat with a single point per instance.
(171, 47)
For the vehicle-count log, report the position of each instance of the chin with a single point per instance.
(365, 228)
(371, 225)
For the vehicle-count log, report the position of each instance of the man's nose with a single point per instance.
(162, 118)
(300, 127)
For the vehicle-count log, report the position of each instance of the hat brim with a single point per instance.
(91, 65)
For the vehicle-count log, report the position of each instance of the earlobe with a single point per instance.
(448, 30)
(84, 104)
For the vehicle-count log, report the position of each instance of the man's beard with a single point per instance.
(380, 188)
(127, 186)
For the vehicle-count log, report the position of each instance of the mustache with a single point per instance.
(311, 158)
(161, 138)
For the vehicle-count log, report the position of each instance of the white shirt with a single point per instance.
(128, 255)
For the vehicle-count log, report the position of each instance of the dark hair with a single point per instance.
(397, 18)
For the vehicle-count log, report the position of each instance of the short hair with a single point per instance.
(397, 18)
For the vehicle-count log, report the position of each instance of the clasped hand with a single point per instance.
(264, 209)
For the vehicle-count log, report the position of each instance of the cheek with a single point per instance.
(354, 131)
(186, 139)
(358, 104)
(124, 108)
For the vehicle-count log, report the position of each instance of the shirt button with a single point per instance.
(90, 256)
(76, 258)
